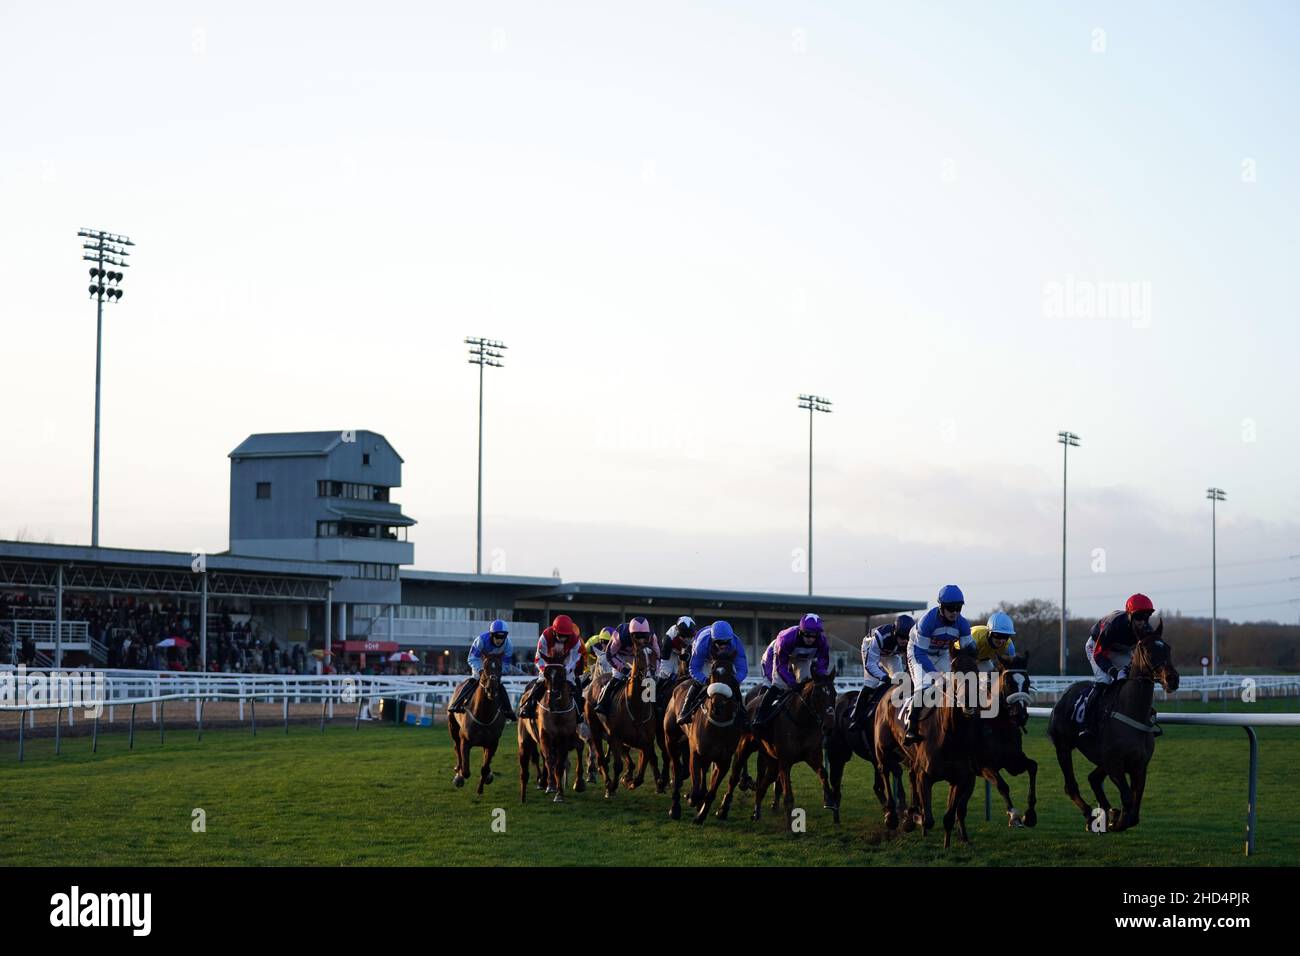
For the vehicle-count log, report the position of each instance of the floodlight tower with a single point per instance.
(813, 403)
(483, 353)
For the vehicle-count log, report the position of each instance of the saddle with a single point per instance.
(1095, 704)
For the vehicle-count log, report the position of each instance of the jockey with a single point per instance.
(1109, 647)
(927, 651)
(882, 658)
(677, 645)
(992, 641)
(561, 640)
(717, 642)
(1112, 638)
(628, 641)
(494, 642)
(805, 641)
(597, 646)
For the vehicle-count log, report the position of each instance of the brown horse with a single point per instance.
(480, 725)
(945, 752)
(1001, 744)
(1123, 744)
(709, 740)
(547, 738)
(631, 725)
(796, 733)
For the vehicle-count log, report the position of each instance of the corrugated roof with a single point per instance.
(298, 444)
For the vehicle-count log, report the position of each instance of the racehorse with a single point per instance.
(1000, 738)
(844, 743)
(709, 740)
(547, 738)
(796, 733)
(664, 688)
(484, 719)
(1124, 741)
(945, 752)
(629, 726)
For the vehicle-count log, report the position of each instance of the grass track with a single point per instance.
(383, 795)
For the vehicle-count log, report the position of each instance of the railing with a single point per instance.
(76, 634)
(421, 631)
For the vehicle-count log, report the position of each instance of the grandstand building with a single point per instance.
(318, 547)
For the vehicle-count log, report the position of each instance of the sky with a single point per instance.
(969, 226)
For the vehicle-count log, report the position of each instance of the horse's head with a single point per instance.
(554, 675)
(963, 661)
(819, 694)
(722, 703)
(722, 670)
(1153, 658)
(490, 675)
(1013, 687)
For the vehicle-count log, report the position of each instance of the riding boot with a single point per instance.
(461, 699)
(767, 706)
(607, 695)
(528, 702)
(860, 707)
(913, 734)
(692, 701)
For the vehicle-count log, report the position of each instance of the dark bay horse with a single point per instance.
(480, 725)
(1124, 741)
(946, 752)
(796, 733)
(708, 741)
(631, 725)
(1001, 743)
(546, 739)
(843, 744)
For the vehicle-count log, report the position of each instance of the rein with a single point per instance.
(496, 712)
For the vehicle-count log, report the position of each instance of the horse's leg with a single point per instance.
(737, 769)
(927, 808)
(524, 758)
(916, 812)
(1139, 778)
(963, 802)
(1097, 780)
(1031, 814)
(1065, 757)
(661, 777)
(616, 754)
(485, 772)
(1004, 790)
(719, 768)
(675, 811)
(1120, 821)
(950, 814)
(836, 782)
(784, 776)
(761, 783)
(641, 761)
(462, 758)
(697, 778)
(579, 773)
(829, 801)
(453, 728)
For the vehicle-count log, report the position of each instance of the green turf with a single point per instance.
(383, 795)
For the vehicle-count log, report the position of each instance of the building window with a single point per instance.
(327, 529)
(365, 458)
(264, 489)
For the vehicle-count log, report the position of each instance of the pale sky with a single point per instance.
(678, 220)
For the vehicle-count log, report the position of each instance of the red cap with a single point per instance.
(564, 626)
(1138, 602)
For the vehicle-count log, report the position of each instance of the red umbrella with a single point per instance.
(174, 642)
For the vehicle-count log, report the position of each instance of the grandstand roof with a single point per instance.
(136, 557)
